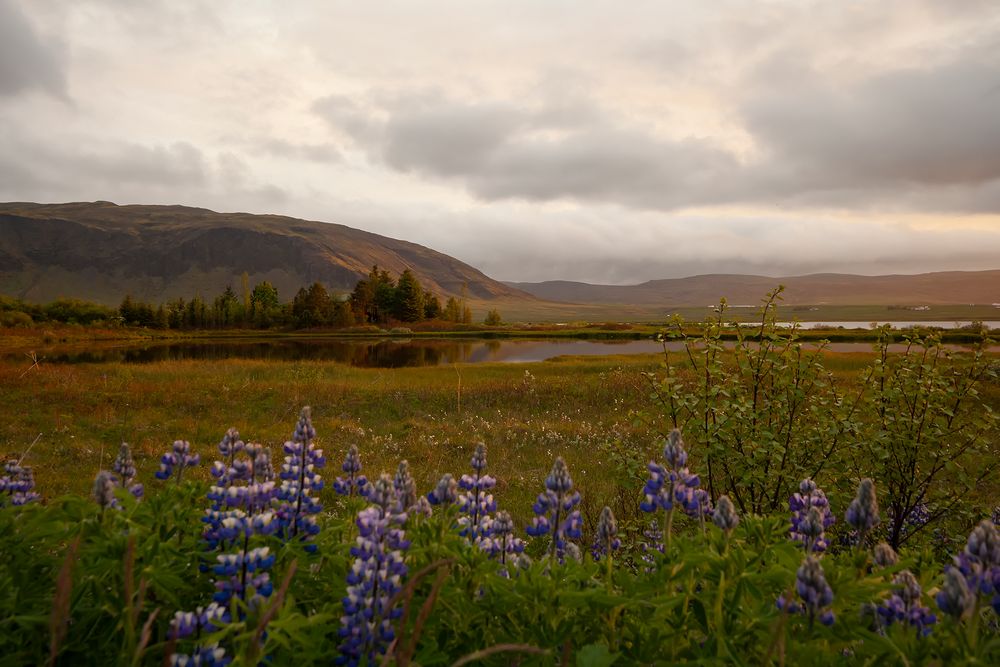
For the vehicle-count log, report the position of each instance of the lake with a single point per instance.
(376, 352)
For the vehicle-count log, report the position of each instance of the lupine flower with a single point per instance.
(554, 510)
(884, 555)
(103, 490)
(180, 458)
(18, 483)
(502, 543)
(606, 537)
(674, 485)
(191, 623)
(653, 542)
(475, 502)
(261, 469)
(808, 527)
(725, 516)
(979, 564)
(862, 514)
(240, 573)
(124, 467)
(211, 655)
(813, 591)
(374, 578)
(903, 606)
(232, 500)
(300, 479)
(955, 598)
(351, 483)
(446, 491)
(406, 486)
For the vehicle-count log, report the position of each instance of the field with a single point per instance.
(708, 598)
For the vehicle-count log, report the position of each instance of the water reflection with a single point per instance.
(377, 352)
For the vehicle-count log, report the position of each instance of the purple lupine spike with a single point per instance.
(555, 511)
(814, 594)
(884, 556)
(954, 598)
(103, 491)
(606, 540)
(352, 483)
(503, 545)
(475, 502)
(807, 527)
(179, 458)
(374, 578)
(446, 491)
(725, 516)
(18, 483)
(674, 485)
(903, 606)
(979, 565)
(209, 655)
(124, 467)
(862, 514)
(300, 478)
(406, 486)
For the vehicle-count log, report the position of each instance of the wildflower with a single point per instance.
(300, 478)
(884, 555)
(606, 538)
(210, 655)
(862, 514)
(406, 487)
(955, 598)
(903, 606)
(18, 483)
(554, 510)
(244, 575)
(124, 467)
(180, 457)
(979, 563)
(187, 623)
(231, 499)
(475, 502)
(352, 483)
(103, 490)
(674, 485)
(809, 527)
(813, 591)
(446, 491)
(653, 542)
(374, 578)
(503, 544)
(725, 516)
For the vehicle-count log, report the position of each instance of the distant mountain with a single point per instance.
(949, 287)
(100, 251)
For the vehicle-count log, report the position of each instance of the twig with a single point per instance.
(60, 603)
(35, 361)
(23, 456)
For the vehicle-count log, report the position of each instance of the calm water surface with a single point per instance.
(375, 352)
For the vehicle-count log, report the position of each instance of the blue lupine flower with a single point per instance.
(180, 457)
(18, 483)
(502, 544)
(374, 578)
(103, 491)
(191, 623)
(554, 511)
(233, 500)
(903, 606)
(813, 592)
(475, 502)
(954, 598)
(446, 491)
(979, 565)
(809, 527)
(299, 479)
(673, 485)
(406, 486)
(884, 556)
(352, 483)
(211, 655)
(652, 544)
(124, 467)
(862, 513)
(725, 516)
(244, 575)
(606, 537)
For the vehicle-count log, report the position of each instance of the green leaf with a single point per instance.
(595, 655)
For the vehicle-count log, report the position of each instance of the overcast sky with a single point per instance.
(535, 139)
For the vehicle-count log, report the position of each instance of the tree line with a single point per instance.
(378, 299)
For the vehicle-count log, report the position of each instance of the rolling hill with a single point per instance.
(951, 287)
(100, 251)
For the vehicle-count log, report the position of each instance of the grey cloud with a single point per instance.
(311, 152)
(26, 61)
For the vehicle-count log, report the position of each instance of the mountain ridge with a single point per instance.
(101, 251)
